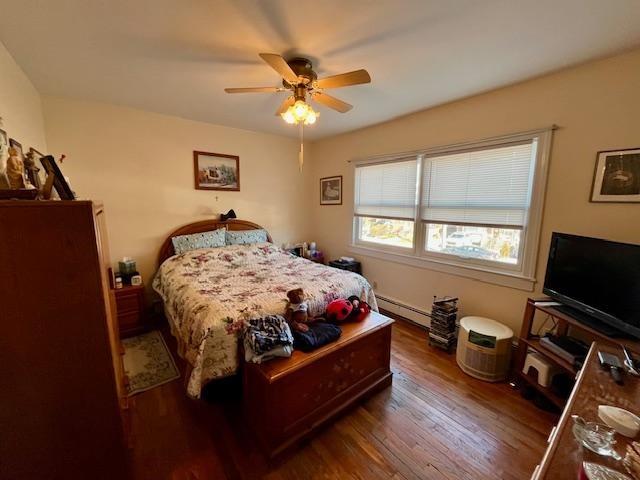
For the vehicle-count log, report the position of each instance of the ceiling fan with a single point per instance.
(299, 78)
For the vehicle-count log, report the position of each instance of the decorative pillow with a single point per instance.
(245, 237)
(195, 241)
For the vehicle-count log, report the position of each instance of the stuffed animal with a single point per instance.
(297, 310)
(360, 309)
(347, 310)
(339, 310)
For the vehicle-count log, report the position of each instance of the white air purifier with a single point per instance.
(484, 348)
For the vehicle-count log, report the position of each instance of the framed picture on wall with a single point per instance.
(617, 176)
(216, 171)
(331, 190)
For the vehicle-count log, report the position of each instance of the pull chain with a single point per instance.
(301, 153)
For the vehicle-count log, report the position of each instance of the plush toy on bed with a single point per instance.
(339, 310)
(345, 310)
(360, 309)
(297, 310)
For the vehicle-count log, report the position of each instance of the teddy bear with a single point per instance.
(297, 310)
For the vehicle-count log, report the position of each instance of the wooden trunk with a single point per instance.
(286, 399)
(62, 402)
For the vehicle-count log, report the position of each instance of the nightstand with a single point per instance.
(130, 309)
(350, 266)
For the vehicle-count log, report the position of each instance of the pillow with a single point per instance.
(195, 241)
(245, 237)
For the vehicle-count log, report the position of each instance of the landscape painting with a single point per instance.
(216, 171)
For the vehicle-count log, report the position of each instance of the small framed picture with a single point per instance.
(4, 143)
(617, 176)
(216, 171)
(60, 183)
(331, 190)
(36, 175)
(18, 146)
(36, 154)
(4, 155)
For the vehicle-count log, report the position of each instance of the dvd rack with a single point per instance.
(444, 313)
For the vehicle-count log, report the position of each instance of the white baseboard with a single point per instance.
(415, 314)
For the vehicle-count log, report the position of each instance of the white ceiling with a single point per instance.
(176, 56)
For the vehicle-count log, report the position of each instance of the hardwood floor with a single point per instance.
(435, 422)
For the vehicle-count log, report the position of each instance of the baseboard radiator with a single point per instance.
(413, 314)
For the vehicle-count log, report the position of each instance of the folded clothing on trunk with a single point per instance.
(280, 351)
(319, 334)
(267, 337)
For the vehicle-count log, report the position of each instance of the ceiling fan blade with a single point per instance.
(286, 104)
(344, 79)
(279, 64)
(332, 102)
(254, 90)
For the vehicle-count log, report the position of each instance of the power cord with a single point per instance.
(553, 329)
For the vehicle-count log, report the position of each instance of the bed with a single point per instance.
(207, 293)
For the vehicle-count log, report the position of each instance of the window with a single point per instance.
(473, 206)
(386, 231)
(385, 202)
(474, 203)
(483, 243)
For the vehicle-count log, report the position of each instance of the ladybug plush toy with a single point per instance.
(339, 310)
(345, 310)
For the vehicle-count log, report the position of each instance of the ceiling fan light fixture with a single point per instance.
(311, 117)
(288, 117)
(300, 109)
(300, 112)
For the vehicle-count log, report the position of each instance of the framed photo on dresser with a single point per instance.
(4, 142)
(18, 146)
(60, 183)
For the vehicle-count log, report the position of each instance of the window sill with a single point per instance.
(483, 274)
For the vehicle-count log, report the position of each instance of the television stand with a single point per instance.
(591, 322)
(566, 318)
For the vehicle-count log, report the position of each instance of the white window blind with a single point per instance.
(386, 190)
(490, 187)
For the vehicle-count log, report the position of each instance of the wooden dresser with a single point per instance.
(594, 386)
(63, 409)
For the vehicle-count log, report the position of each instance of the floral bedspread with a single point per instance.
(208, 294)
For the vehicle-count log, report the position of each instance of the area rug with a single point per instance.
(147, 362)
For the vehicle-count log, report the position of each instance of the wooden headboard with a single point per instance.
(167, 251)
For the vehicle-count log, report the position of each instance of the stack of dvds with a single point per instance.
(444, 313)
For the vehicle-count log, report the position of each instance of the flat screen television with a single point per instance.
(597, 277)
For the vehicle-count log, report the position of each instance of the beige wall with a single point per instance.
(140, 165)
(597, 107)
(20, 106)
